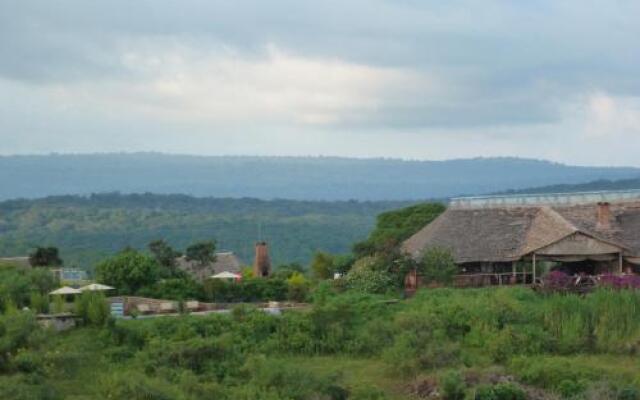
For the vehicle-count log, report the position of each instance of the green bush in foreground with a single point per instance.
(501, 391)
(379, 347)
(453, 386)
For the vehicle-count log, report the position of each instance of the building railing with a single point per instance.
(414, 281)
(493, 279)
(545, 198)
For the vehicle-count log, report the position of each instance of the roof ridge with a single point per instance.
(536, 230)
(557, 216)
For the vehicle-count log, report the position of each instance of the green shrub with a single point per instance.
(39, 303)
(182, 288)
(17, 331)
(135, 386)
(628, 393)
(289, 382)
(453, 386)
(298, 287)
(93, 308)
(438, 265)
(485, 392)
(25, 387)
(501, 391)
(559, 375)
(18, 284)
(59, 304)
(196, 388)
(401, 358)
(509, 391)
(569, 388)
(28, 362)
(368, 281)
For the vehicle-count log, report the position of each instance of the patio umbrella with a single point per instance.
(66, 290)
(96, 287)
(226, 275)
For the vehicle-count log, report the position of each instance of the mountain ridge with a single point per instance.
(284, 177)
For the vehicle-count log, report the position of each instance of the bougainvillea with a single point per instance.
(620, 281)
(558, 280)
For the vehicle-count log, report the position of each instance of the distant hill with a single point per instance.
(593, 186)
(87, 229)
(301, 178)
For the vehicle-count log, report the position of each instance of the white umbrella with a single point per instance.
(66, 290)
(226, 275)
(96, 287)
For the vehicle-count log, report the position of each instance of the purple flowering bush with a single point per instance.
(620, 281)
(557, 280)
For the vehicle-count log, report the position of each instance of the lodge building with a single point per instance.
(506, 239)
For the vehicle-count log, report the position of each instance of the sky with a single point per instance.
(413, 79)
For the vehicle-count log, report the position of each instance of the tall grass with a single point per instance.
(605, 321)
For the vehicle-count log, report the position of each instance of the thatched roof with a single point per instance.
(508, 233)
(225, 262)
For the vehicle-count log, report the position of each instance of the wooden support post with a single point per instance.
(534, 268)
(514, 278)
(620, 263)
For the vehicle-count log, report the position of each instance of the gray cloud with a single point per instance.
(398, 67)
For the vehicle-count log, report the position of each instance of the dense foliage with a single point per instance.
(202, 253)
(87, 229)
(437, 265)
(21, 287)
(132, 272)
(128, 271)
(393, 227)
(45, 257)
(463, 344)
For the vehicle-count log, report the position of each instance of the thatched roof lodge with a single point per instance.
(583, 233)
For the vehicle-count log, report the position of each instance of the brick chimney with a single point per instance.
(262, 263)
(604, 215)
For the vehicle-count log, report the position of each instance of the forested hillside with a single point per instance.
(599, 185)
(88, 228)
(303, 178)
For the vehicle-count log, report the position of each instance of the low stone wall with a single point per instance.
(57, 322)
(145, 305)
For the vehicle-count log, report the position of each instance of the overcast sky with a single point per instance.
(415, 79)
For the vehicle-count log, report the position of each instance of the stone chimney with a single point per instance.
(604, 215)
(262, 263)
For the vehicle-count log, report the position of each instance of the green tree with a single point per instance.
(128, 271)
(322, 265)
(438, 265)
(298, 287)
(342, 263)
(45, 257)
(393, 227)
(285, 271)
(17, 284)
(369, 281)
(164, 254)
(202, 252)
